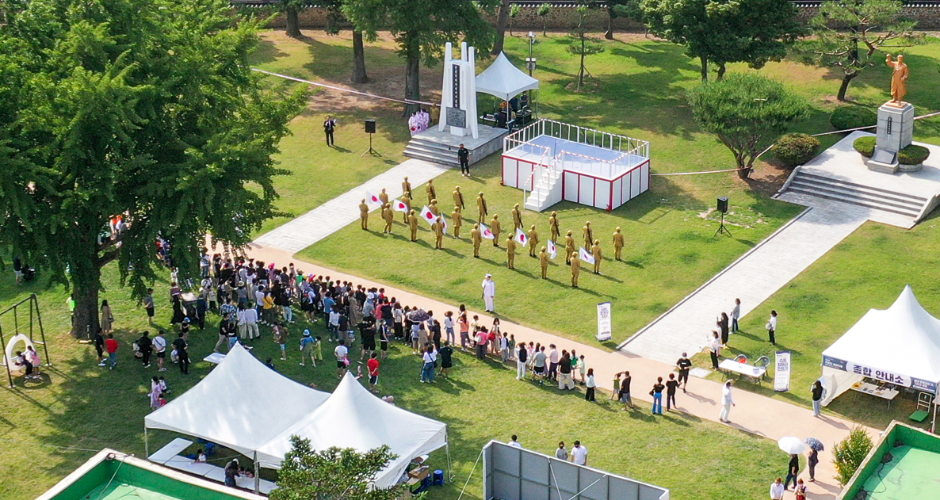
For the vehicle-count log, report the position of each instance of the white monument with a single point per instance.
(459, 93)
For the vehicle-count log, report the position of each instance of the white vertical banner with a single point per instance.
(603, 322)
(782, 371)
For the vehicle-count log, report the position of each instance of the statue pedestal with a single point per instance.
(895, 132)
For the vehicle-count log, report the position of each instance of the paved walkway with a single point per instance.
(754, 413)
(343, 210)
(753, 278)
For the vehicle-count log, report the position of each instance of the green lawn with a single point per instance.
(48, 429)
(869, 269)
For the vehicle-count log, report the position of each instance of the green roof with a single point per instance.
(903, 466)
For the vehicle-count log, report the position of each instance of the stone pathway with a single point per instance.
(753, 278)
(343, 210)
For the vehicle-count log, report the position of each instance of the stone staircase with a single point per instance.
(832, 188)
(426, 150)
(546, 191)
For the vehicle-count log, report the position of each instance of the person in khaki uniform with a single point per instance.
(434, 208)
(438, 228)
(389, 215)
(569, 247)
(618, 243)
(458, 221)
(406, 199)
(364, 215)
(432, 193)
(458, 199)
(406, 188)
(516, 217)
(495, 228)
(575, 270)
(481, 206)
(477, 238)
(544, 257)
(511, 252)
(413, 225)
(588, 234)
(383, 196)
(553, 226)
(533, 240)
(598, 256)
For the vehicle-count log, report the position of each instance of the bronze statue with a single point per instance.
(898, 80)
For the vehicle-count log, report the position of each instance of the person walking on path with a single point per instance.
(684, 364)
(714, 349)
(329, 126)
(812, 459)
(793, 471)
(735, 315)
(671, 386)
(777, 490)
(149, 306)
(727, 401)
(489, 293)
(724, 327)
(772, 327)
(107, 318)
(589, 393)
(579, 454)
(111, 346)
(657, 394)
(463, 156)
(817, 398)
(159, 347)
(800, 490)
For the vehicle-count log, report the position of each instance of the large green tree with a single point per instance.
(847, 33)
(141, 108)
(747, 113)
(420, 28)
(334, 20)
(726, 31)
(332, 474)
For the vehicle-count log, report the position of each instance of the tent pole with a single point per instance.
(450, 478)
(257, 474)
(146, 441)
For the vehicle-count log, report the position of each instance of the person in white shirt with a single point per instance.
(430, 361)
(251, 323)
(515, 442)
(340, 352)
(579, 454)
(489, 293)
(777, 490)
(735, 315)
(726, 402)
(772, 327)
(242, 322)
(334, 326)
(159, 347)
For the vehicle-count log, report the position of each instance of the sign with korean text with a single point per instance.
(782, 371)
(603, 322)
(878, 374)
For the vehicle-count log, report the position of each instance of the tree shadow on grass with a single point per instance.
(265, 51)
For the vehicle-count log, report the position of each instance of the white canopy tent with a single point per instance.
(241, 405)
(355, 418)
(900, 345)
(504, 80)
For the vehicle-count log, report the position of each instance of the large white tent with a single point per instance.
(504, 80)
(355, 418)
(241, 404)
(900, 345)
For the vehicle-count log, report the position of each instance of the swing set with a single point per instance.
(27, 322)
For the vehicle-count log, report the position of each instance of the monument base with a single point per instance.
(883, 161)
(895, 131)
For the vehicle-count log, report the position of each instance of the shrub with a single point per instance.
(847, 117)
(849, 453)
(796, 149)
(865, 146)
(913, 155)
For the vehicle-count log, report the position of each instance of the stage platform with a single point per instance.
(838, 177)
(441, 147)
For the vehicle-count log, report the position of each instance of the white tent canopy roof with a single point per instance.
(902, 340)
(504, 80)
(239, 405)
(355, 418)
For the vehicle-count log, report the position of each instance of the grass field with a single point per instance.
(869, 269)
(48, 429)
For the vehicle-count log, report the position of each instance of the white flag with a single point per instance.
(586, 256)
(521, 238)
(372, 199)
(427, 215)
(552, 250)
(486, 233)
(399, 206)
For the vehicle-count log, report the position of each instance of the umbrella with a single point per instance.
(815, 444)
(418, 316)
(791, 445)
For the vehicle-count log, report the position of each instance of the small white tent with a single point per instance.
(900, 345)
(241, 404)
(504, 80)
(355, 418)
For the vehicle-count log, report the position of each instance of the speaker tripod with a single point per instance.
(721, 228)
(371, 151)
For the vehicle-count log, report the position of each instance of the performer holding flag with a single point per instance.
(486, 232)
(372, 199)
(552, 250)
(521, 237)
(586, 256)
(400, 206)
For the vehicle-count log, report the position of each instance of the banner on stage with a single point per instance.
(782, 373)
(603, 322)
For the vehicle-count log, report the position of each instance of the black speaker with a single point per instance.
(370, 126)
(723, 205)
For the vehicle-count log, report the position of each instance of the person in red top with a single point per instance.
(373, 371)
(112, 346)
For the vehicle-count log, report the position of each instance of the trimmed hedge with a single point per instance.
(847, 117)
(911, 155)
(796, 149)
